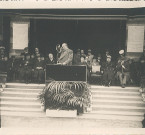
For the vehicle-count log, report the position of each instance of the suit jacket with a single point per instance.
(40, 63)
(66, 56)
(76, 59)
(48, 61)
(108, 66)
(125, 63)
(90, 57)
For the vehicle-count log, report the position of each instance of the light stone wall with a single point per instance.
(18, 20)
(134, 21)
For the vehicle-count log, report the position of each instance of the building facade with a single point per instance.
(96, 29)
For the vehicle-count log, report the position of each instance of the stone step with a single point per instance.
(115, 88)
(20, 106)
(23, 114)
(24, 109)
(118, 104)
(115, 93)
(116, 100)
(97, 97)
(97, 106)
(19, 99)
(119, 96)
(20, 103)
(111, 117)
(118, 112)
(118, 109)
(19, 94)
(25, 86)
(23, 90)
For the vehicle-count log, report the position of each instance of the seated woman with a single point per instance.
(39, 70)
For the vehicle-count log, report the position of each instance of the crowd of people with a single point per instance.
(30, 68)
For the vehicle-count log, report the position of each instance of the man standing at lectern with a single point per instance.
(66, 55)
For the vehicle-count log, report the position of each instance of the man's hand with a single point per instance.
(123, 67)
(63, 63)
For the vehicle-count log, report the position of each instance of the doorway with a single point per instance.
(97, 35)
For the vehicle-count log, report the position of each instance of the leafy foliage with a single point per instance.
(65, 95)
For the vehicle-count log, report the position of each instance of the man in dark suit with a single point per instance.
(39, 70)
(11, 68)
(66, 56)
(108, 71)
(27, 67)
(87, 64)
(123, 69)
(50, 59)
(77, 57)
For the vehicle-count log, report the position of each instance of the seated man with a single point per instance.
(83, 53)
(123, 69)
(27, 67)
(11, 68)
(107, 71)
(142, 75)
(32, 61)
(85, 62)
(90, 55)
(50, 59)
(39, 70)
(3, 73)
(20, 67)
(77, 57)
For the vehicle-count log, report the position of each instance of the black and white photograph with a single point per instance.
(77, 68)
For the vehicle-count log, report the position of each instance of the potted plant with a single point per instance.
(59, 95)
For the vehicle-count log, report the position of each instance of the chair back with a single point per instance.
(96, 68)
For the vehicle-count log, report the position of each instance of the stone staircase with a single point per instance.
(21, 100)
(115, 103)
(111, 104)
